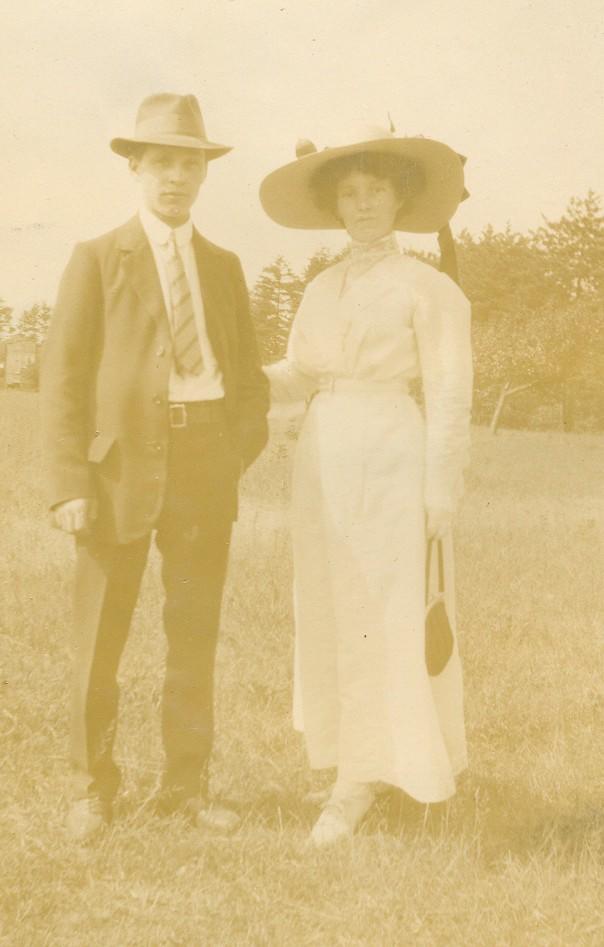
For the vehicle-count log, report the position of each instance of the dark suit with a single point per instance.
(106, 426)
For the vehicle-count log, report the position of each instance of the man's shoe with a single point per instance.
(86, 817)
(216, 818)
(197, 810)
(168, 802)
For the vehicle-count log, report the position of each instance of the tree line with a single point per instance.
(538, 315)
(31, 324)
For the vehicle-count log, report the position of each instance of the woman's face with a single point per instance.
(367, 205)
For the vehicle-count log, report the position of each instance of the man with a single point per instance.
(153, 404)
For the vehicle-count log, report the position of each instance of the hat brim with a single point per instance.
(287, 198)
(125, 146)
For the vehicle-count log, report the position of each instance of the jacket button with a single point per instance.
(161, 351)
(157, 400)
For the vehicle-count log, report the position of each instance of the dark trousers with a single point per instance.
(192, 535)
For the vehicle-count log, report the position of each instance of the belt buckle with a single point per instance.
(178, 415)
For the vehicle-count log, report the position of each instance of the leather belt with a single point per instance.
(188, 413)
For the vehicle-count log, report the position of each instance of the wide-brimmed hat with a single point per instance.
(287, 197)
(167, 119)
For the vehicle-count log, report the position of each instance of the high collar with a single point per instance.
(362, 257)
(159, 233)
(367, 253)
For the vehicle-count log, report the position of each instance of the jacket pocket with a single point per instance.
(99, 447)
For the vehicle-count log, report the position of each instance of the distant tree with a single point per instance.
(540, 299)
(573, 248)
(503, 272)
(274, 300)
(6, 314)
(33, 323)
(552, 349)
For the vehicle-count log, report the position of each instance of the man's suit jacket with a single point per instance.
(105, 376)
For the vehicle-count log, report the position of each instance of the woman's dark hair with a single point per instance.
(405, 175)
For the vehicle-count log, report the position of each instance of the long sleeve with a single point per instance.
(67, 366)
(442, 329)
(290, 383)
(251, 383)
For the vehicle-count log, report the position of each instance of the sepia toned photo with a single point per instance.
(301, 494)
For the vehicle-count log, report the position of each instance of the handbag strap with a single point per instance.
(441, 566)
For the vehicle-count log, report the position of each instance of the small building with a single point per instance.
(21, 358)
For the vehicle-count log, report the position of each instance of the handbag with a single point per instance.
(439, 637)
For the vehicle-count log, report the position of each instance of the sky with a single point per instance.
(516, 85)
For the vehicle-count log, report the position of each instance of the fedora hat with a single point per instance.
(167, 119)
(286, 194)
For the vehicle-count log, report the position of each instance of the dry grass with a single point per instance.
(514, 859)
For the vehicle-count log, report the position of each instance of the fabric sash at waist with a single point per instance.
(334, 383)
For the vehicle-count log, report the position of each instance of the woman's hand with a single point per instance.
(439, 523)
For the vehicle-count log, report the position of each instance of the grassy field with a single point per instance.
(516, 858)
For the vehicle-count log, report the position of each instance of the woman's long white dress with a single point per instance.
(367, 466)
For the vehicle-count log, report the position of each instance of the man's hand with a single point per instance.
(75, 516)
(439, 523)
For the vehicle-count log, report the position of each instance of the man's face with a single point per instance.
(169, 178)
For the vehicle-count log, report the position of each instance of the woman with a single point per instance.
(372, 477)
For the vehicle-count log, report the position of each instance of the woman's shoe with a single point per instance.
(318, 797)
(346, 807)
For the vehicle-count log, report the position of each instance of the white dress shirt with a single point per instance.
(207, 385)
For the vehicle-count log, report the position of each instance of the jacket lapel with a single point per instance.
(140, 271)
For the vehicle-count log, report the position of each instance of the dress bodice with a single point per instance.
(398, 320)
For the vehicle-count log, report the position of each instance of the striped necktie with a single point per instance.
(187, 353)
